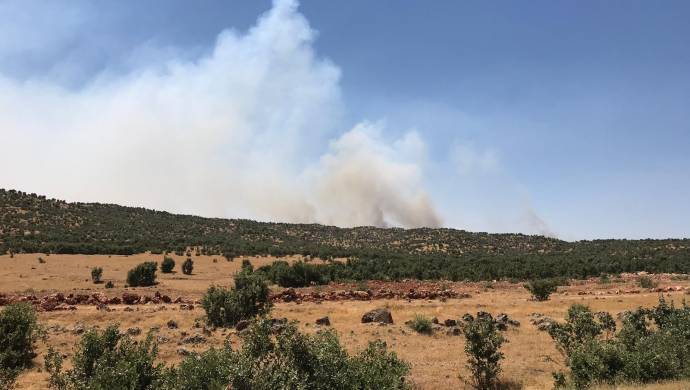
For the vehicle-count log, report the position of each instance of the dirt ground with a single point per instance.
(437, 360)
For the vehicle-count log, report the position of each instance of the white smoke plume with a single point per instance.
(241, 132)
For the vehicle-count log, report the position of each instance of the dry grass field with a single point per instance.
(436, 360)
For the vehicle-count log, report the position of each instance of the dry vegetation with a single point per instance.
(436, 360)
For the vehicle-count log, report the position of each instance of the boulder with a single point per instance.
(325, 321)
(382, 316)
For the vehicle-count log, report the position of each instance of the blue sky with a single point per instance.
(567, 118)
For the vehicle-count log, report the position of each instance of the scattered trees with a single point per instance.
(96, 274)
(167, 265)
(291, 360)
(18, 333)
(483, 342)
(107, 360)
(541, 289)
(142, 275)
(188, 266)
(249, 298)
(652, 345)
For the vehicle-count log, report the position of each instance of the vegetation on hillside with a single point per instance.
(33, 223)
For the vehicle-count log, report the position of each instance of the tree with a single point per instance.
(96, 274)
(249, 298)
(142, 275)
(167, 265)
(541, 289)
(188, 267)
(483, 342)
(19, 331)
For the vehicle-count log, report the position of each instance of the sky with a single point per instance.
(564, 118)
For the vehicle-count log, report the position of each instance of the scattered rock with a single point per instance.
(382, 316)
(325, 321)
(195, 339)
(172, 324)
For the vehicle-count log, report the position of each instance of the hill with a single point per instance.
(34, 223)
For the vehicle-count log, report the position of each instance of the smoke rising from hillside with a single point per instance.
(249, 130)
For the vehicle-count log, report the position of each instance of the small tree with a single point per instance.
(142, 275)
(167, 265)
(249, 298)
(483, 342)
(107, 360)
(96, 274)
(18, 333)
(541, 289)
(188, 267)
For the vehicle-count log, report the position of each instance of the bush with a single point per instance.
(483, 342)
(639, 353)
(541, 289)
(109, 285)
(421, 324)
(647, 282)
(187, 267)
(167, 265)
(18, 333)
(249, 298)
(290, 360)
(142, 275)
(96, 274)
(107, 360)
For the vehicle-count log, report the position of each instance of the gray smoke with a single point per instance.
(243, 131)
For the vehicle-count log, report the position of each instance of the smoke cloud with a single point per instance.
(248, 130)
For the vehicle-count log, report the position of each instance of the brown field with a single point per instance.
(436, 360)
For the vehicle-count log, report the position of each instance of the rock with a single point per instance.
(134, 331)
(242, 325)
(467, 317)
(172, 324)
(450, 322)
(434, 320)
(130, 298)
(128, 309)
(78, 329)
(382, 316)
(195, 339)
(454, 331)
(325, 321)
(162, 339)
(183, 351)
(186, 306)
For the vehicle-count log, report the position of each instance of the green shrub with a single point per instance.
(96, 274)
(18, 333)
(142, 275)
(421, 324)
(187, 267)
(647, 282)
(167, 265)
(652, 345)
(249, 298)
(483, 342)
(107, 360)
(290, 360)
(541, 289)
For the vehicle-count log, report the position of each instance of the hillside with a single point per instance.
(34, 223)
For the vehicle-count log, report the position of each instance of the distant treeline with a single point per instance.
(32, 223)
